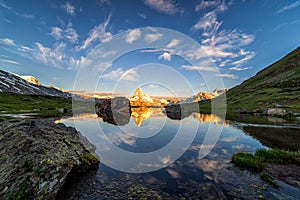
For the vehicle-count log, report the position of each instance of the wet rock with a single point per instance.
(36, 160)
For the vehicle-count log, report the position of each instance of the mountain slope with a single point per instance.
(278, 85)
(14, 84)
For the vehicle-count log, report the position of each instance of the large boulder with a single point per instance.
(114, 111)
(37, 156)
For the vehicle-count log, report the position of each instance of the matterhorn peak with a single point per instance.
(139, 99)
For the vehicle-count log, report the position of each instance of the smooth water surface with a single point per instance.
(190, 176)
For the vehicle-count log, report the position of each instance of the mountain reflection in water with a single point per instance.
(149, 129)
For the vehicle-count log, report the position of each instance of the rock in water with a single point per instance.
(114, 111)
(36, 158)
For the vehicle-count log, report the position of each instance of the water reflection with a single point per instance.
(212, 177)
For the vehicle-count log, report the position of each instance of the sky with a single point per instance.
(164, 46)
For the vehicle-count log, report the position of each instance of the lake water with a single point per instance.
(180, 159)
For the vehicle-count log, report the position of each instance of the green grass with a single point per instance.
(277, 84)
(268, 179)
(44, 106)
(248, 161)
(256, 162)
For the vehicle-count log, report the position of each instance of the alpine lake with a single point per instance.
(178, 158)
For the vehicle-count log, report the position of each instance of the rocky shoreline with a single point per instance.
(37, 157)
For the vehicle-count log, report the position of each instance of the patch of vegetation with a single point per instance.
(141, 192)
(268, 179)
(23, 193)
(256, 162)
(248, 161)
(89, 158)
(44, 106)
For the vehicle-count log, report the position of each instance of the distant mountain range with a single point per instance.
(28, 85)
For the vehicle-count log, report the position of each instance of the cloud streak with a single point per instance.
(119, 74)
(199, 68)
(9, 61)
(99, 33)
(7, 41)
(288, 7)
(69, 8)
(164, 6)
(224, 46)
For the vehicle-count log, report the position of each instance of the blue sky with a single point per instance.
(53, 40)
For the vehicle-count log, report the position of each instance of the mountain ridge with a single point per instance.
(11, 83)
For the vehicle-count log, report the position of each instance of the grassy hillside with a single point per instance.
(42, 105)
(277, 84)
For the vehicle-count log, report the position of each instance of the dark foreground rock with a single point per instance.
(36, 157)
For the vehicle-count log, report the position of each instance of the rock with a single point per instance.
(180, 111)
(274, 111)
(35, 161)
(62, 110)
(114, 111)
(242, 111)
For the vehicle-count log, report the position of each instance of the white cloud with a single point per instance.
(98, 33)
(209, 20)
(199, 68)
(56, 56)
(25, 48)
(71, 35)
(239, 68)
(164, 6)
(105, 2)
(152, 37)
(133, 35)
(119, 74)
(23, 15)
(142, 15)
(56, 32)
(68, 33)
(130, 75)
(165, 56)
(113, 75)
(232, 76)
(3, 4)
(9, 61)
(69, 8)
(223, 46)
(7, 41)
(249, 55)
(173, 43)
(203, 5)
(288, 7)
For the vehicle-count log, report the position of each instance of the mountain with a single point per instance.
(29, 79)
(139, 98)
(277, 86)
(202, 96)
(11, 83)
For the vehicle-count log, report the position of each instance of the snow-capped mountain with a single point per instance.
(139, 98)
(15, 84)
(29, 79)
